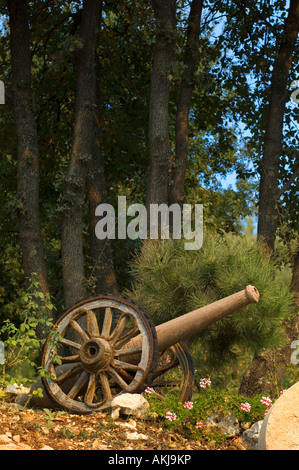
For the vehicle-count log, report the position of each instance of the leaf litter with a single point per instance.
(35, 429)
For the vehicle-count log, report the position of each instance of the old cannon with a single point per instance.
(108, 345)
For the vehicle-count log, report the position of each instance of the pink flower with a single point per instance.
(199, 425)
(282, 391)
(245, 407)
(170, 416)
(204, 382)
(168, 358)
(188, 404)
(149, 390)
(266, 401)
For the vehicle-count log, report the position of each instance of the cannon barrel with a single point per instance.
(188, 325)
(185, 326)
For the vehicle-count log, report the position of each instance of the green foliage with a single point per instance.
(232, 84)
(23, 342)
(190, 419)
(51, 415)
(171, 282)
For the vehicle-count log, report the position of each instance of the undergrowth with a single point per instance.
(190, 419)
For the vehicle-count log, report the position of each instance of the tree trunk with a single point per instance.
(269, 193)
(295, 276)
(103, 275)
(176, 190)
(28, 154)
(267, 368)
(100, 254)
(164, 54)
(73, 271)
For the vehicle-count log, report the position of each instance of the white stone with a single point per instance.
(129, 404)
(227, 424)
(135, 436)
(280, 428)
(251, 435)
(128, 426)
(4, 439)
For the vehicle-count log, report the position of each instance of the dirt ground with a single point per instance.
(30, 429)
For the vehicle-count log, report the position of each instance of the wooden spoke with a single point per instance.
(119, 379)
(105, 385)
(92, 324)
(75, 370)
(91, 388)
(128, 351)
(126, 365)
(75, 325)
(70, 343)
(69, 359)
(78, 385)
(107, 323)
(124, 338)
(121, 324)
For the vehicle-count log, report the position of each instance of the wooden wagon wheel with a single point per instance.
(177, 355)
(88, 356)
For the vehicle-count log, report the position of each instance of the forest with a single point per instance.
(161, 102)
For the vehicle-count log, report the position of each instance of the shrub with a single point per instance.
(23, 342)
(170, 281)
(190, 419)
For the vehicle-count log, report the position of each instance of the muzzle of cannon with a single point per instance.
(108, 345)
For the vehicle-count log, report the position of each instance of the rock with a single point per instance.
(227, 424)
(14, 392)
(98, 445)
(14, 406)
(135, 436)
(10, 442)
(280, 429)
(4, 439)
(46, 448)
(250, 436)
(10, 446)
(17, 389)
(129, 404)
(13, 446)
(127, 425)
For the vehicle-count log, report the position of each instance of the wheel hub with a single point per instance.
(95, 354)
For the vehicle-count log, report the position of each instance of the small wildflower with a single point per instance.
(188, 404)
(149, 390)
(170, 416)
(282, 391)
(245, 407)
(199, 425)
(168, 358)
(266, 401)
(204, 382)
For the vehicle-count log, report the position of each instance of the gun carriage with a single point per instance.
(108, 345)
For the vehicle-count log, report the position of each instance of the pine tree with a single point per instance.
(171, 281)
